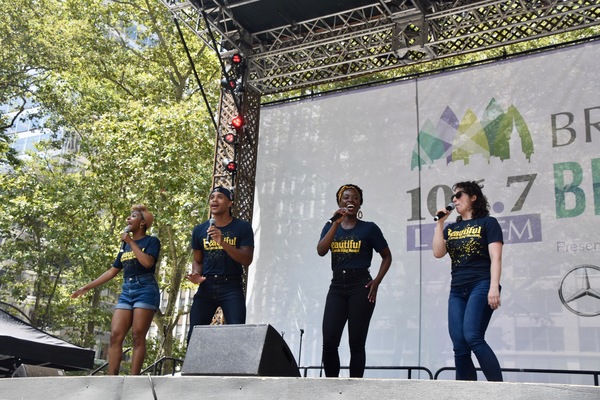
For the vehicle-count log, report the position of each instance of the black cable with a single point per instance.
(152, 387)
(225, 74)
(17, 309)
(187, 51)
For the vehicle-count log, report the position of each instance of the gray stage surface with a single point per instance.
(247, 388)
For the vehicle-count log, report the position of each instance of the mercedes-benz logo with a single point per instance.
(579, 290)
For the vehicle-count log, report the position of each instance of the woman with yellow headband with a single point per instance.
(352, 292)
(140, 296)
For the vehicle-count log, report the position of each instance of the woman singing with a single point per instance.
(474, 243)
(352, 292)
(140, 296)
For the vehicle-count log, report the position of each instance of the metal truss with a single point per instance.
(381, 35)
(243, 151)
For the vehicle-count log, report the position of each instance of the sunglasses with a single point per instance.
(457, 195)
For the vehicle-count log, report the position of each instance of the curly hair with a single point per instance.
(480, 207)
(340, 192)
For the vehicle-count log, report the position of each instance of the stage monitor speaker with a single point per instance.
(27, 370)
(238, 350)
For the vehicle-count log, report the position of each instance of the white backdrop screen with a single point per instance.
(528, 128)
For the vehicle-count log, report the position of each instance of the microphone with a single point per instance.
(211, 222)
(439, 215)
(127, 229)
(336, 216)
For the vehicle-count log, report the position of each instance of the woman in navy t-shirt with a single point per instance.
(140, 296)
(474, 243)
(352, 293)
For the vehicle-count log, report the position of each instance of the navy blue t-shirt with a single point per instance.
(353, 248)
(131, 266)
(238, 233)
(467, 243)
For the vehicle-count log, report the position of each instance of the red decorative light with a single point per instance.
(229, 84)
(237, 122)
(237, 59)
(231, 166)
(229, 138)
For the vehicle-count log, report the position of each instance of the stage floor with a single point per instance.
(263, 388)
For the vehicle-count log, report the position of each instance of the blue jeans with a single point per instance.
(214, 293)
(468, 317)
(347, 301)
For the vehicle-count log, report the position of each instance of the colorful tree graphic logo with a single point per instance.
(458, 140)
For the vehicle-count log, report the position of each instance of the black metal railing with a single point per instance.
(409, 369)
(157, 368)
(595, 374)
(100, 368)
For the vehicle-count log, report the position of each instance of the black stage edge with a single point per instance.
(266, 388)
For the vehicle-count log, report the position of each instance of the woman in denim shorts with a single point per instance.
(352, 292)
(140, 296)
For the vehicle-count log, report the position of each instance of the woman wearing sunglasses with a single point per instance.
(474, 243)
(140, 296)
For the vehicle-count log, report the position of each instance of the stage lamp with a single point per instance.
(237, 59)
(237, 122)
(229, 138)
(230, 165)
(228, 84)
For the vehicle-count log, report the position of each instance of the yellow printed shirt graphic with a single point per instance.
(467, 244)
(353, 248)
(210, 245)
(215, 261)
(346, 246)
(127, 261)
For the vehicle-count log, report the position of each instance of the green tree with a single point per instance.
(29, 51)
(125, 93)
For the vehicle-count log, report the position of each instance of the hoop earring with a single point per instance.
(359, 214)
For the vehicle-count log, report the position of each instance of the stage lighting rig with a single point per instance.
(230, 138)
(238, 122)
(230, 165)
(229, 84)
(237, 59)
(233, 73)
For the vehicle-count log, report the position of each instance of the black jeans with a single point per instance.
(347, 300)
(218, 291)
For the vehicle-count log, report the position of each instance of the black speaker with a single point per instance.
(27, 370)
(238, 350)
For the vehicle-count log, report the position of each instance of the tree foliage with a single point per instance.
(113, 77)
(29, 51)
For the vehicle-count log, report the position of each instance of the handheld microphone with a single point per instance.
(211, 222)
(439, 215)
(127, 229)
(336, 216)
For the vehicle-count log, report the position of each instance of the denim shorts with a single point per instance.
(139, 292)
